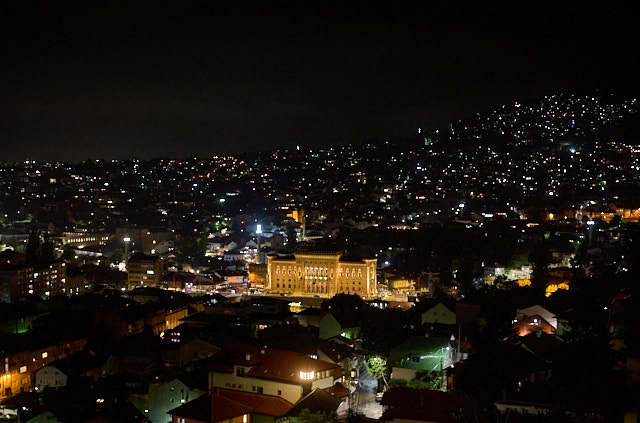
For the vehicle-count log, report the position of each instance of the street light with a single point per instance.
(258, 232)
(126, 252)
(590, 223)
(352, 381)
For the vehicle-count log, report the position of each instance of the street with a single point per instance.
(365, 396)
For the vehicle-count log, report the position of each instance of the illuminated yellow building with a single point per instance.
(297, 215)
(82, 238)
(323, 273)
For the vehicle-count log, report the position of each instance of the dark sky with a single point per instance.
(102, 79)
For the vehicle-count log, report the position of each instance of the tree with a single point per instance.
(47, 250)
(117, 256)
(68, 253)
(292, 236)
(540, 257)
(14, 244)
(433, 380)
(33, 248)
(377, 367)
(192, 248)
(344, 303)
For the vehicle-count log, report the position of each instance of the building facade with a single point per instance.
(322, 273)
(144, 270)
(44, 280)
(83, 238)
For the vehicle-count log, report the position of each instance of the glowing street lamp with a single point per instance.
(590, 223)
(258, 232)
(126, 251)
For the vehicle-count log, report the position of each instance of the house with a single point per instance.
(534, 318)
(225, 405)
(329, 324)
(439, 314)
(22, 355)
(196, 349)
(167, 395)
(338, 353)
(333, 324)
(233, 255)
(420, 405)
(421, 354)
(284, 374)
(62, 372)
(310, 317)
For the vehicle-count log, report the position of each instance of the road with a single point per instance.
(364, 400)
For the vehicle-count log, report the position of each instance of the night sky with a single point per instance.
(101, 79)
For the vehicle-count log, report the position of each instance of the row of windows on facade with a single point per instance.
(256, 389)
(23, 369)
(343, 284)
(314, 272)
(240, 371)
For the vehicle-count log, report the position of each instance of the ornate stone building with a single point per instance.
(323, 273)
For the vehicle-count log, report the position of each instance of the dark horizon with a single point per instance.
(107, 80)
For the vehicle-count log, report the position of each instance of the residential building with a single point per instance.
(22, 356)
(439, 314)
(167, 395)
(62, 372)
(421, 354)
(44, 280)
(280, 373)
(144, 270)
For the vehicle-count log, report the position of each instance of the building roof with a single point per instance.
(429, 349)
(314, 401)
(139, 256)
(538, 310)
(77, 364)
(225, 404)
(210, 408)
(335, 351)
(438, 313)
(287, 365)
(268, 363)
(262, 404)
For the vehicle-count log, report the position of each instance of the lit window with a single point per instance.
(306, 375)
(23, 369)
(45, 354)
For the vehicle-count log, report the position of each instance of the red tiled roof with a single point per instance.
(287, 365)
(261, 404)
(337, 391)
(210, 408)
(269, 364)
(223, 361)
(225, 404)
